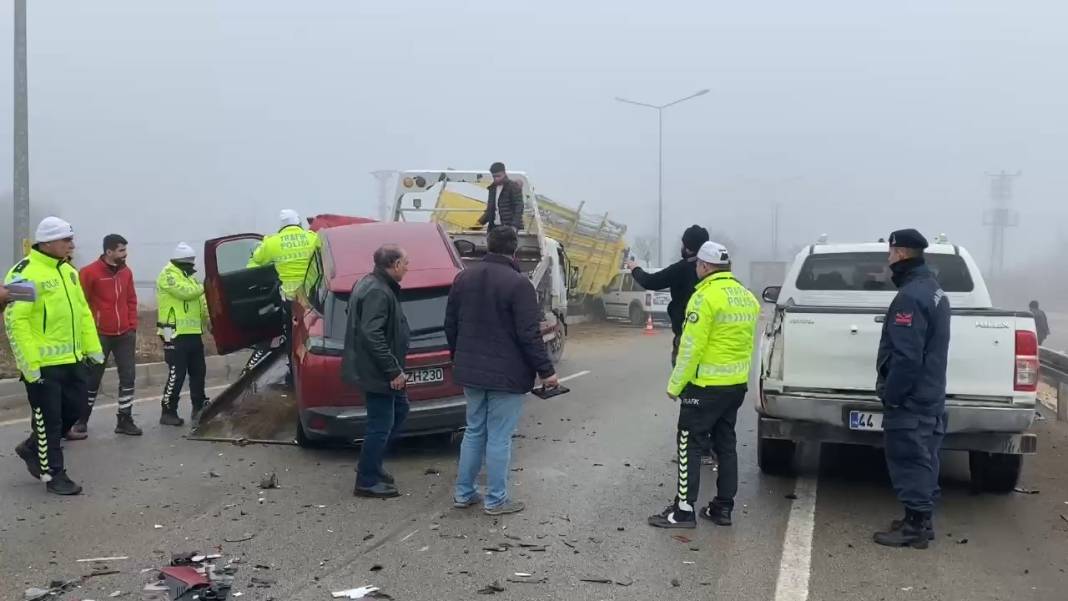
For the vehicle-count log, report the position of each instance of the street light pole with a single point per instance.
(660, 165)
(20, 203)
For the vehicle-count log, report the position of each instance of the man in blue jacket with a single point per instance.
(913, 354)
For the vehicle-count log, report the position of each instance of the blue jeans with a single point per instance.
(491, 419)
(385, 417)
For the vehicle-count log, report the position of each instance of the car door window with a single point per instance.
(628, 283)
(233, 255)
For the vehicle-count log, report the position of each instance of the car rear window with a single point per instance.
(870, 272)
(425, 310)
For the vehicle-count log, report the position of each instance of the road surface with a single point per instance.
(591, 465)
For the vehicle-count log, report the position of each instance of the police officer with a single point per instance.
(912, 386)
(710, 380)
(183, 313)
(51, 339)
(289, 250)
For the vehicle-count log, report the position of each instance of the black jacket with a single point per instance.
(376, 336)
(493, 324)
(914, 348)
(511, 202)
(681, 278)
(1041, 325)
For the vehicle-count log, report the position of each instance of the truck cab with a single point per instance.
(818, 353)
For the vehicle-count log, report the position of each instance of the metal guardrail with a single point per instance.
(1053, 370)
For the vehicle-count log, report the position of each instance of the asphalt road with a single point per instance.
(592, 465)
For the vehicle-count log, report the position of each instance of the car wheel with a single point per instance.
(994, 472)
(775, 457)
(637, 315)
(556, 346)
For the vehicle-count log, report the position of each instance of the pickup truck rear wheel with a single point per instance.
(994, 472)
(775, 456)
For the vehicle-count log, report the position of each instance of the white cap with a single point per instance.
(714, 253)
(289, 217)
(52, 229)
(184, 252)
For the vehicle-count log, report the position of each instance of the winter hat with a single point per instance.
(52, 229)
(289, 217)
(714, 253)
(694, 237)
(184, 253)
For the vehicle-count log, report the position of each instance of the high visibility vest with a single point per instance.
(290, 251)
(181, 302)
(716, 348)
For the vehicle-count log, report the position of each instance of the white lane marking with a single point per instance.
(22, 420)
(573, 376)
(795, 569)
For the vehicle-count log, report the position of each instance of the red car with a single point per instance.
(245, 311)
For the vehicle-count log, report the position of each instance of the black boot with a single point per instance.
(27, 453)
(124, 424)
(61, 484)
(928, 527)
(911, 534)
(718, 512)
(170, 418)
(673, 517)
(198, 410)
(79, 431)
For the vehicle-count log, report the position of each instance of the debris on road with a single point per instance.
(682, 539)
(1026, 491)
(791, 496)
(102, 559)
(376, 568)
(675, 582)
(432, 471)
(962, 541)
(363, 592)
(596, 580)
(491, 589)
(269, 481)
(241, 539)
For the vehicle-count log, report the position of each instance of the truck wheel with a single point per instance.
(994, 472)
(775, 457)
(556, 347)
(637, 316)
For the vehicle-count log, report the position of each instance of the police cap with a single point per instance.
(909, 238)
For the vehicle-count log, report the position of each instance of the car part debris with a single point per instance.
(240, 539)
(269, 481)
(596, 580)
(432, 471)
(491, 589)
(682, 539)
(355, 593)
(1026, 491)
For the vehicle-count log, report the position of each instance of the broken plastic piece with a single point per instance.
(354, 593)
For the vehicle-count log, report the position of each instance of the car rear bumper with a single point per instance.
(350, 423)
(971, 427)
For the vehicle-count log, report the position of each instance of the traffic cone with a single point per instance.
(649, 331)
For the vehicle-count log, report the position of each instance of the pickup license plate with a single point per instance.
(432, 375)
(866, 420)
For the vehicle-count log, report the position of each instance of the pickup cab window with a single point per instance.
(869, 271)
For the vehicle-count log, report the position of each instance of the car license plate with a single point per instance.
(866, 420)
(661, 299)
(432, 375)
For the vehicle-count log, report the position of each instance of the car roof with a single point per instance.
(432, 260)
(881, 247)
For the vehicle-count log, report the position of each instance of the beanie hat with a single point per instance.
(713, 253)
(52, 229)
(184, 253)
(694, 237)
(289, 217)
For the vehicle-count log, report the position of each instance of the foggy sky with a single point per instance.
(171, 120)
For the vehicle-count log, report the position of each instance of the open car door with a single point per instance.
(245, 305)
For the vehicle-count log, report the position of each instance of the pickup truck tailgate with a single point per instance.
(836, 349)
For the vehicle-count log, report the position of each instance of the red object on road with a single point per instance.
(649, 331)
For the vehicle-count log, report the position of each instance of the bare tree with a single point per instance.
(644, 249)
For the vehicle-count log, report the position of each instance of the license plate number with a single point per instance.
(431, 375)
(866, 420)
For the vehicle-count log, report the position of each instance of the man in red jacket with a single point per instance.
(109, 287)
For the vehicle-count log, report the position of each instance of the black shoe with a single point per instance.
(61, 484)
(378, 491)
(928, 527)
(79, 431)
(384, 476)
(170, 418)
(912, 532)
(718, 513)
(195, 416)
(673, 517)
(124, 424)
(28, 455)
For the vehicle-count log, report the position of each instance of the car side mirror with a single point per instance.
(771, 294)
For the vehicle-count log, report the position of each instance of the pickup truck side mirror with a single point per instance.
(771, 294)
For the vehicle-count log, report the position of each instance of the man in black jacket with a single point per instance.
(680, 278)
(493, 325)
(376, 344)
(504, 206)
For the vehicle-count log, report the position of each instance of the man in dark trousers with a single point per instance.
(1041, 323)
(504, 206)
(911, 383)
(376, 345)
(108, 284)
(493, 325)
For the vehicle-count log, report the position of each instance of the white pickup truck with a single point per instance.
(818, 352)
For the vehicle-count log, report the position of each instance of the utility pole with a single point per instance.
(21, 201)
(999, 218)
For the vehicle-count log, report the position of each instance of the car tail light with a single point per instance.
(1026, 361)
(321, 345)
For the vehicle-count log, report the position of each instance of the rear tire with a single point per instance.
(994, 472)
(775, 457)
(305, 441)
(637, 316)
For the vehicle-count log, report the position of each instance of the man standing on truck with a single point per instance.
(183, 313)
(376, 346)
(504, 206)
(51, 338)
(710, 380)
(493, 325)
(911, 383)
(109, 288)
